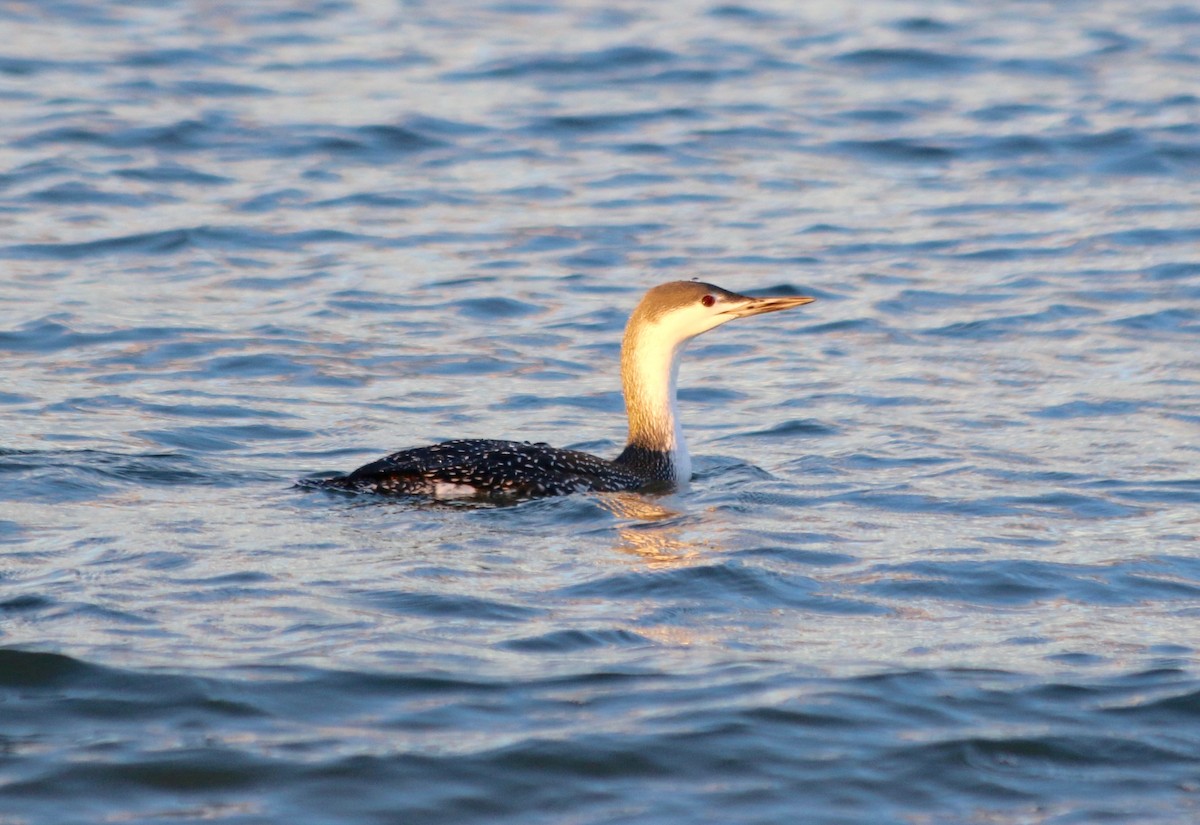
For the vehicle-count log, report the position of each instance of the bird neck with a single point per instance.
(649, 367)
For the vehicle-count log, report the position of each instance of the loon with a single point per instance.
(655, 457)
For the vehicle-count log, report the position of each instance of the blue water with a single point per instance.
(941, 560)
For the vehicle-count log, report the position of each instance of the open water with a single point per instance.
(941, 560)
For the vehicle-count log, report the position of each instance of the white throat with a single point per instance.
(649, 369)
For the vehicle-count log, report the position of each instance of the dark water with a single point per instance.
(941, 561)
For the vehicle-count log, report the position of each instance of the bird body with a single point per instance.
(656, 455)
(482, 466)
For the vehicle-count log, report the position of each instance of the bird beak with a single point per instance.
(757, 306)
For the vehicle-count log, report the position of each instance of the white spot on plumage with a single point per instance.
(453, 489)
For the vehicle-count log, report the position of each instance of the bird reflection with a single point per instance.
(657, 536)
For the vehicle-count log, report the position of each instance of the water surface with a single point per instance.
(939, 562)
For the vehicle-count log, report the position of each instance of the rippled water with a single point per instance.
(940, 561)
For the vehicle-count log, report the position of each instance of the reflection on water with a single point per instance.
(657, 537)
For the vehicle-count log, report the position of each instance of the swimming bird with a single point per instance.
(656, 455)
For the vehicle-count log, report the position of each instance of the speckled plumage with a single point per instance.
(516, 469)
(668, 316)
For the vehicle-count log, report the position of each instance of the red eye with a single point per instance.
(708, 300)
